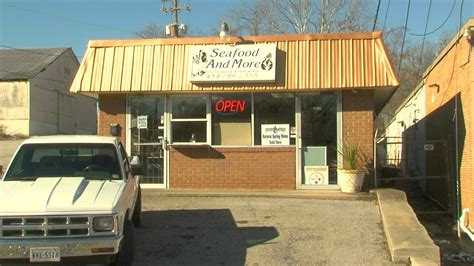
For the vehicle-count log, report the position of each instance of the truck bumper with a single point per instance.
(13, 249)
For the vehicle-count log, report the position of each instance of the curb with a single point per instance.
(319, 194)
(408, 240)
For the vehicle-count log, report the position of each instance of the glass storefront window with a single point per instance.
(273, 109)
(189, 107)
(231, 119)
(192, 132)
(189, 119)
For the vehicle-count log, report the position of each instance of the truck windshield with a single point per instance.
(91, 161)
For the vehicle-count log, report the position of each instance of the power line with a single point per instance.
(376, 15)
(440, 26)
(35, 52)
(386, 13)
(424, 36)
(404, 35)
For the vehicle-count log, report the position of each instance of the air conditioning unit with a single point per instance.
(316, 175)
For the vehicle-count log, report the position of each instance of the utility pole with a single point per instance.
(172, 7)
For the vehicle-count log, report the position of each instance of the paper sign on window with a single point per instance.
(276, 134)
(142, 122)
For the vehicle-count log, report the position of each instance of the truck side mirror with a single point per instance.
(136, 166)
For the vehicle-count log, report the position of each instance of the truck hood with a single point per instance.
(58, 194)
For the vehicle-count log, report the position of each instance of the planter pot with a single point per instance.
(350, 180)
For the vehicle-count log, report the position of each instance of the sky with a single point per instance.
(72, 23)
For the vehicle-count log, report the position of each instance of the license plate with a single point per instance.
(45, 254)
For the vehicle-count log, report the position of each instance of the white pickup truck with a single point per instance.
(69, 198)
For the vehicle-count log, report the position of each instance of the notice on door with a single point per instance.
(142, 122)
(276, 134)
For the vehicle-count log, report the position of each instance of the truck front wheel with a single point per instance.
(127, 249)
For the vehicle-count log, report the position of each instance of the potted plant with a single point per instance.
(352, 171)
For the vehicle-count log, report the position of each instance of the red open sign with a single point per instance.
(229, 106)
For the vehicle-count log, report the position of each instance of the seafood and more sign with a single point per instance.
(238, 63)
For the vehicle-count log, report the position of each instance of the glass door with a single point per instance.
(147, 137)
(319, 134)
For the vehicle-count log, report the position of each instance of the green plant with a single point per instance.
(352, 156)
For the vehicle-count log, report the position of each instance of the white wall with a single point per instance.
(54, 110)
(14, 101)
(408, 127)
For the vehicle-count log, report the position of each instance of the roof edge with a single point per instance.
(459, 35)
(236, 39)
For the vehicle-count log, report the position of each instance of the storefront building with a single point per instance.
(259, 112)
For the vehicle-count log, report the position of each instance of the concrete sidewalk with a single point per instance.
(407, 239)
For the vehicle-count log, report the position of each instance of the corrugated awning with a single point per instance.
(304, 63)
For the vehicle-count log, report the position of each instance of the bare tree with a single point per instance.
(294, 15)
(250, 18)
(151, 31)
(299, 16)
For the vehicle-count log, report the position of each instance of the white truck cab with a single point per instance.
(69, 198)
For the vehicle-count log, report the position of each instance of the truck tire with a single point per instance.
(127, 248)
(137, 212)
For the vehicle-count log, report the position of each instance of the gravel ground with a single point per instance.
(259, 231)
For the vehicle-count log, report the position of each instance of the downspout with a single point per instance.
(375, 157)
(463, 226)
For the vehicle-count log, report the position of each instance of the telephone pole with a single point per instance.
(172, 7)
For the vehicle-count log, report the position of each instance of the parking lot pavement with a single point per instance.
(259, 231)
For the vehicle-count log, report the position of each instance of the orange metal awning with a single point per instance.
(332, 61)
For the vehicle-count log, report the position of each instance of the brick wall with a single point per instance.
(452, 76)
(233, 168)
(112, 109)
(358, 124)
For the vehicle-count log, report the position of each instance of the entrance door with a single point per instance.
(319, 136)
(147, 137)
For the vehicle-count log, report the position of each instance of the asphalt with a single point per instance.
(260, 228)
(407, 240)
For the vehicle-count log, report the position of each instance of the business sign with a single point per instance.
(238, 63)
(142, 122)
(276, 134)
(229, 106)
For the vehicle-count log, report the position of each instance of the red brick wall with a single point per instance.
(454, 75)
(112, 109)
(233, 168)
(358, 123)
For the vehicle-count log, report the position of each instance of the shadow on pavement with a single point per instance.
(196, 237)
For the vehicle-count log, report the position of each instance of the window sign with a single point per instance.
(238, 63)
(276, 134)
(142, 122)
(230, 106)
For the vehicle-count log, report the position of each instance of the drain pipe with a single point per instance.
(375, 158)
(463, 225)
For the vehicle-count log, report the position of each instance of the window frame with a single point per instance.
(252, 130)
(207, 119)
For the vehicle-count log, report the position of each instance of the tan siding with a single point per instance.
(117, 72)
(108, 68)
(127, 69)
(304, 62)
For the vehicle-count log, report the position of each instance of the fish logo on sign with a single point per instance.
(267, 63)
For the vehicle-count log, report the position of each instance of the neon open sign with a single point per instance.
(230, 106)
